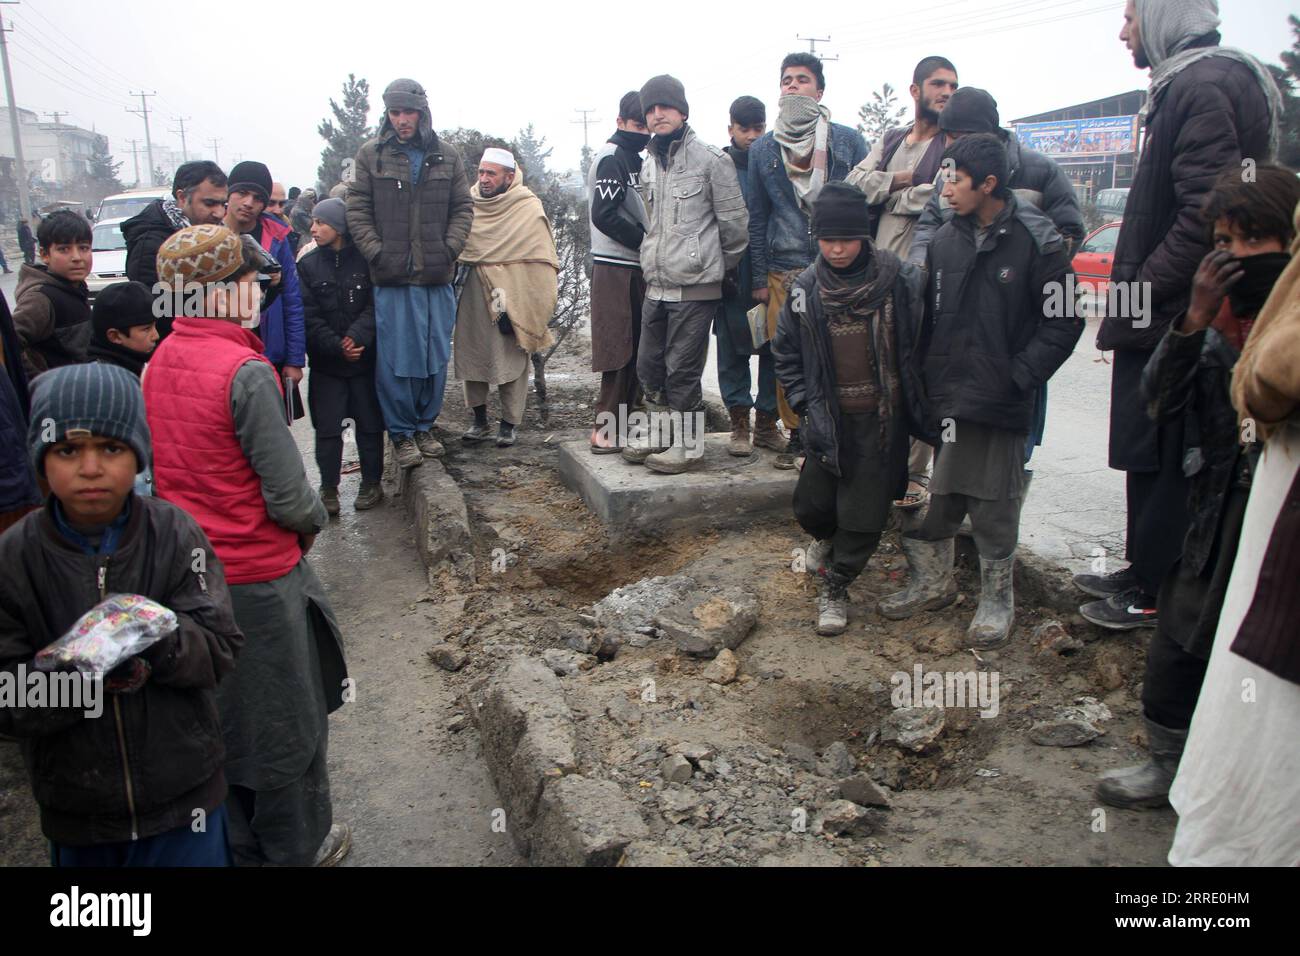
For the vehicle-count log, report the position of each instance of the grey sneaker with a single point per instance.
(429, 446)
(371, 494)
(476, 433)
(335, 846)
(832, 608)
(408, 455)
(330, 499)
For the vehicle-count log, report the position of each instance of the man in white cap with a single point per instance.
(508, 297)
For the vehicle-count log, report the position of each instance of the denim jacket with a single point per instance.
(780, 235)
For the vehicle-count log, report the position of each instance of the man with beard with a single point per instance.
(787, 169)
(898, 178)
(618, 224)
(409, 212)
(508, 297)
(198, 197)
(1208, 108)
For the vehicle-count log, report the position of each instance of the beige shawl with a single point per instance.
(510, 244)
(1266, 381)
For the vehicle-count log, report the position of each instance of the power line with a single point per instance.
(812, 46)
(185, 157)
(20, 167)
(126, 81)
(135, 158)
(586, 121)
(216, 150)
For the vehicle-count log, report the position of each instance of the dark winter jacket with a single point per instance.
(155, 755)
(17, 480)
(737, 288)
(144, 234)
(52, 317)
(26, 241)
(801, 353)
(410, 233)
(992, 330)
(1035, 179)
(618, 215)
(780, 236)
(1208, 119)
(337, 302)
(1189, 377)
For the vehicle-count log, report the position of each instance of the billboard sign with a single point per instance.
(1081, 137)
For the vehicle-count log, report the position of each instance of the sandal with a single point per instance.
(914, 499)
(603, 449)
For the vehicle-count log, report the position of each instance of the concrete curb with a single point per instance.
(436, 505)
(555, 815)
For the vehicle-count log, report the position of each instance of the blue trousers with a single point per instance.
(413, 326)
(179, 847)
(734, 376)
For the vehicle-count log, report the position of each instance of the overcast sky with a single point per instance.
(258, 74)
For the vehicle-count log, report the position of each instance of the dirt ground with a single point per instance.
(1028, 804)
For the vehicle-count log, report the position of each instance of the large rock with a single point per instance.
(843, 818)
(705, 623)
(437, 507)
(913, 728)
(723, 669)
(676, 769)
(636, 605)
(861, 789)
(529, 739)
(837, 761)
(584, 822)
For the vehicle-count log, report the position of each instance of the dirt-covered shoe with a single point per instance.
(335, 846)
(371, 494)
(476, 433)
(996, 613)
(674, 461)
(505, 435)
(787, 460)
(1146, 786)
(832, 609)
(815, 556)
(767, 435)
(739, 444)
(429, 446)
(930, 585)
(1104, 585)
(407, 454)
(330, 499)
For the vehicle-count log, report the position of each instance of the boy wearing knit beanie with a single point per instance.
(846, 352)
(340, 317)
(223, 452)
(103, 803)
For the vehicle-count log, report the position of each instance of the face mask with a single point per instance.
(632, 140)
(1258, 276)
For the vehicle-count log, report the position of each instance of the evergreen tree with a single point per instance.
(100, 178)
(1288, 82)
(531, 154)
(879, 116)
(588, 155)
(345, 134)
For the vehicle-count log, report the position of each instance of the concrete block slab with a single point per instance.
(723, 492)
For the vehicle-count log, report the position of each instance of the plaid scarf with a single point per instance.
(173, 213)
(864, 295)
(802, 130)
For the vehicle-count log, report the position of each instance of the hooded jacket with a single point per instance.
(52, 318)
(153, 756)
(993, 333)
(1035, 179)
(409, 208)
(337, 302)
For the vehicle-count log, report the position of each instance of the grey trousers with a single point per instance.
(996, 524)
(283, 827)
(514, 396)
(674, 349)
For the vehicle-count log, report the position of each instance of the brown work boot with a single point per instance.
(766, 434)
(739, 444)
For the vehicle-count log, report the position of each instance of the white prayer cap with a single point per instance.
(501, 157)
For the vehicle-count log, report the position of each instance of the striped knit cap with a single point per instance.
(202, 254)
(99, 399)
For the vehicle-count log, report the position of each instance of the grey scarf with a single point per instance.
(174, 215)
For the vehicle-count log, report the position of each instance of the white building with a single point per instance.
(54, 153)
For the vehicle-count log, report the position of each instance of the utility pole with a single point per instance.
(144, 111)
(56, 114)
(135, 158)
(585, 121)
(185, 156)
(216, 150)
(812, 46)
(20, 167)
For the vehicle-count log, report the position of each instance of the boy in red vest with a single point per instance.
(224, 453)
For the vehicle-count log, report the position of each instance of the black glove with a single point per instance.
(504, 325)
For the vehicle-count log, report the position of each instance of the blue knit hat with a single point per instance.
(101, 400)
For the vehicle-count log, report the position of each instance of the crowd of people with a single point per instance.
(898, 297)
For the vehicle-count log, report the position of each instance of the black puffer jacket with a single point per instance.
(153, 756)
(337, 302)
(1208, 119)
(992, 331)
(1035, 179)
(144, 234)
(410, 235)
(801, 353)
(1191, 376)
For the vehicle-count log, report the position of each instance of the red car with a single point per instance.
(1092, 266)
